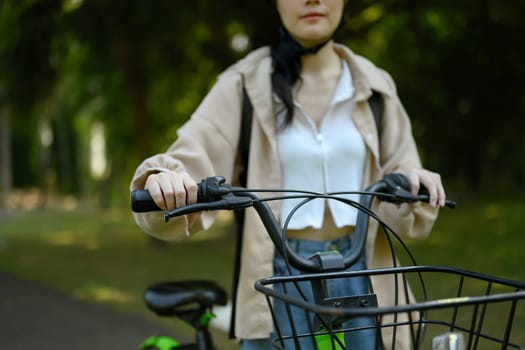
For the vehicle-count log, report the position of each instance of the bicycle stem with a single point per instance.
(319, 264)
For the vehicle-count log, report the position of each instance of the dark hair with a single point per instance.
(286, 56)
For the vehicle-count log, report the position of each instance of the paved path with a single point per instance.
(35, 317)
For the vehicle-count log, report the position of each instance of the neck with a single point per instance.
(324, 61)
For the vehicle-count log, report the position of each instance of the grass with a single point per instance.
(484, 237)
(487, 238)
(104, 257)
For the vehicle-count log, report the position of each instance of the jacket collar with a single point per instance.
(257, 67)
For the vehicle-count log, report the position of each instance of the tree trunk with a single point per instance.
(136, 77)
(523, 140)
(5, 157)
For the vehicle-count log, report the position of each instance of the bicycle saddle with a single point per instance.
(183, 297)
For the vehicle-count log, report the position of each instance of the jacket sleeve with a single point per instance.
(398, 152)
(206, 145)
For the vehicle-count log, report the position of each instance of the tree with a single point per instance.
(26, 30)
(141, 68)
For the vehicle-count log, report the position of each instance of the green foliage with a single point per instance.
(460, 72)
(26, 35)
(141, 68)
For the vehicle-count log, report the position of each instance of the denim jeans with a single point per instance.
(365, 339)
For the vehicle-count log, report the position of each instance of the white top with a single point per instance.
(328, 158)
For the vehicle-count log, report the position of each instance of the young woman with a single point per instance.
(312, 129)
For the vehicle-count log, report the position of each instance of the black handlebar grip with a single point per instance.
(209, 190)
(396, 180)
(142, 202)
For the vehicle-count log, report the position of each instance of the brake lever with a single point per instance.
(398, 191)
(400, 195)
(228, 202)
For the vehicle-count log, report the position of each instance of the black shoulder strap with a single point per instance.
(244, 149)
(376, 105)
(246, 131)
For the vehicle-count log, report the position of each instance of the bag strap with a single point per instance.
(244, 149)
(246, 131)
(376, 105)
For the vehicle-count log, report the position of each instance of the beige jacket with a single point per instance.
(207, 145)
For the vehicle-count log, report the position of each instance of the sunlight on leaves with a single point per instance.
(71, 5)
(369, 15)
(373, 13)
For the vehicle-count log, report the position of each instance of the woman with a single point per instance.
(306, 89)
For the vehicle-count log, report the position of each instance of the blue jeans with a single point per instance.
(365, 339)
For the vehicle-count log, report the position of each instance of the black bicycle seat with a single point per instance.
(183, 297)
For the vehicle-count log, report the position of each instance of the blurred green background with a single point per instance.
(90, 88)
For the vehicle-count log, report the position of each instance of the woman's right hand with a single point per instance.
(171, 190)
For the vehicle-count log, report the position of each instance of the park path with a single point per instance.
(37, 317)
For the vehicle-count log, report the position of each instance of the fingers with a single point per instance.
(191, 189)
(171, 190)
(160, 189)
(432, 183)
(441, 195)
(414, 181)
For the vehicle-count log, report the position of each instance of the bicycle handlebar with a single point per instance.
(215, 194)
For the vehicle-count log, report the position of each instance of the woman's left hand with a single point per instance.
(431, 181)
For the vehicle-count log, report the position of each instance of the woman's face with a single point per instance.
(310, 22)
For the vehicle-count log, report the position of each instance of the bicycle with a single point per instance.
(452, 322)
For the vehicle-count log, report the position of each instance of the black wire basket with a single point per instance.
(479, 313)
